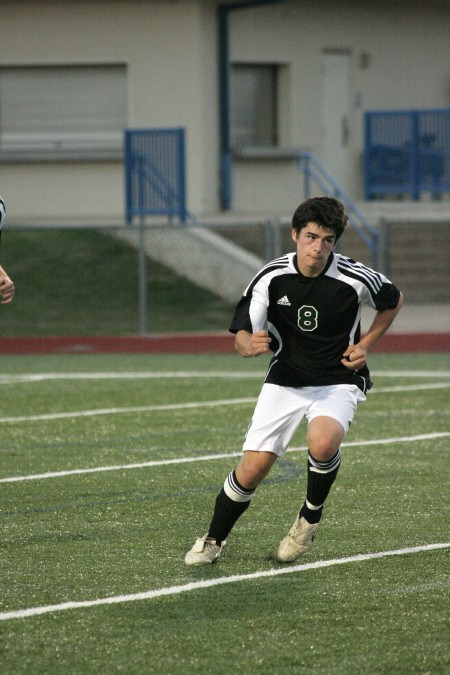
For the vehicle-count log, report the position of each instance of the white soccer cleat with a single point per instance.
(298, 540)
(205, 551)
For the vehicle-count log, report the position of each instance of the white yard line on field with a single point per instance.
(208, 583)
(138, 375)
(410, 387)
(123, 467)
(189, 405)
(186, 374)
(130, 409)
(207, 458)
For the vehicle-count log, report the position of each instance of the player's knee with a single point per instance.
(323, 449)
(253, 468)
(250, 476)
(324, 439)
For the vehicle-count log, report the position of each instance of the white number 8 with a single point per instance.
(307, 317)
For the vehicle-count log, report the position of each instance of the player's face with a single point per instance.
(314, 245)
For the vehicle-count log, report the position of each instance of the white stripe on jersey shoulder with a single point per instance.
(372, 279)
(284, 264)
(282, 261)
(2, 211)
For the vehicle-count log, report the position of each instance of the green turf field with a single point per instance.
(109, 469)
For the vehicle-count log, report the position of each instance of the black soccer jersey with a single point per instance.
(312, 320)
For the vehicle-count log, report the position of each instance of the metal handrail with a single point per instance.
(407, 152)
(150, 189)
(312, 168)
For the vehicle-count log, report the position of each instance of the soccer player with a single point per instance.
(305, 307)
(7, 289)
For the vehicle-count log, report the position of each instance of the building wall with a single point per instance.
(399, 54)
(170, 53)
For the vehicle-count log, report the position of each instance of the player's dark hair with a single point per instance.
(324, 211)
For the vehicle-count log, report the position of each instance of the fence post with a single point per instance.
(272, 241)
(415, 155)
(367, 149)
(128, 179)
(142, 281)
(268, 240)
(306, 176)
(182, 176)
(276, 224)
(382, 248)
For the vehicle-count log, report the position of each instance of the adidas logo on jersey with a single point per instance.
(284, 301)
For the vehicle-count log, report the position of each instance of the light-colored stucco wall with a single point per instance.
(399, 55)
(169, 49)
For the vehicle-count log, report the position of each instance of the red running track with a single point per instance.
(192, 343)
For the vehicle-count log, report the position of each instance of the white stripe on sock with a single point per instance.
(234, 492)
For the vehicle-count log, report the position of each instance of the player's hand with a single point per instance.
(7, 290)
(252, 344)
(259, 342)
(354, 357)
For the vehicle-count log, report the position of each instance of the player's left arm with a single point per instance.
(355, 355)
(7, 288)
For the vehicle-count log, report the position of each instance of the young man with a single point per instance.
(305, 307)
(7, 289)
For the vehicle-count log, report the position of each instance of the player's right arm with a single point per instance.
(252, 344)
(249, 323)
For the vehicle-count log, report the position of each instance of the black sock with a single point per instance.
(321, 476)
(231, 502)
(311, 515)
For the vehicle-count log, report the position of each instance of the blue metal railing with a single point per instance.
(407, 152)
(155, 174)
(313, 169)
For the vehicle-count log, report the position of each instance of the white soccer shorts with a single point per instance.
(279, 411)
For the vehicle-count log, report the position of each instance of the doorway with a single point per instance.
(336, 114)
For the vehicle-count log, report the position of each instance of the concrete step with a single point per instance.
(417, 257)
(203, 257)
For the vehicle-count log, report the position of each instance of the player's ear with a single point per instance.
(294, 235)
